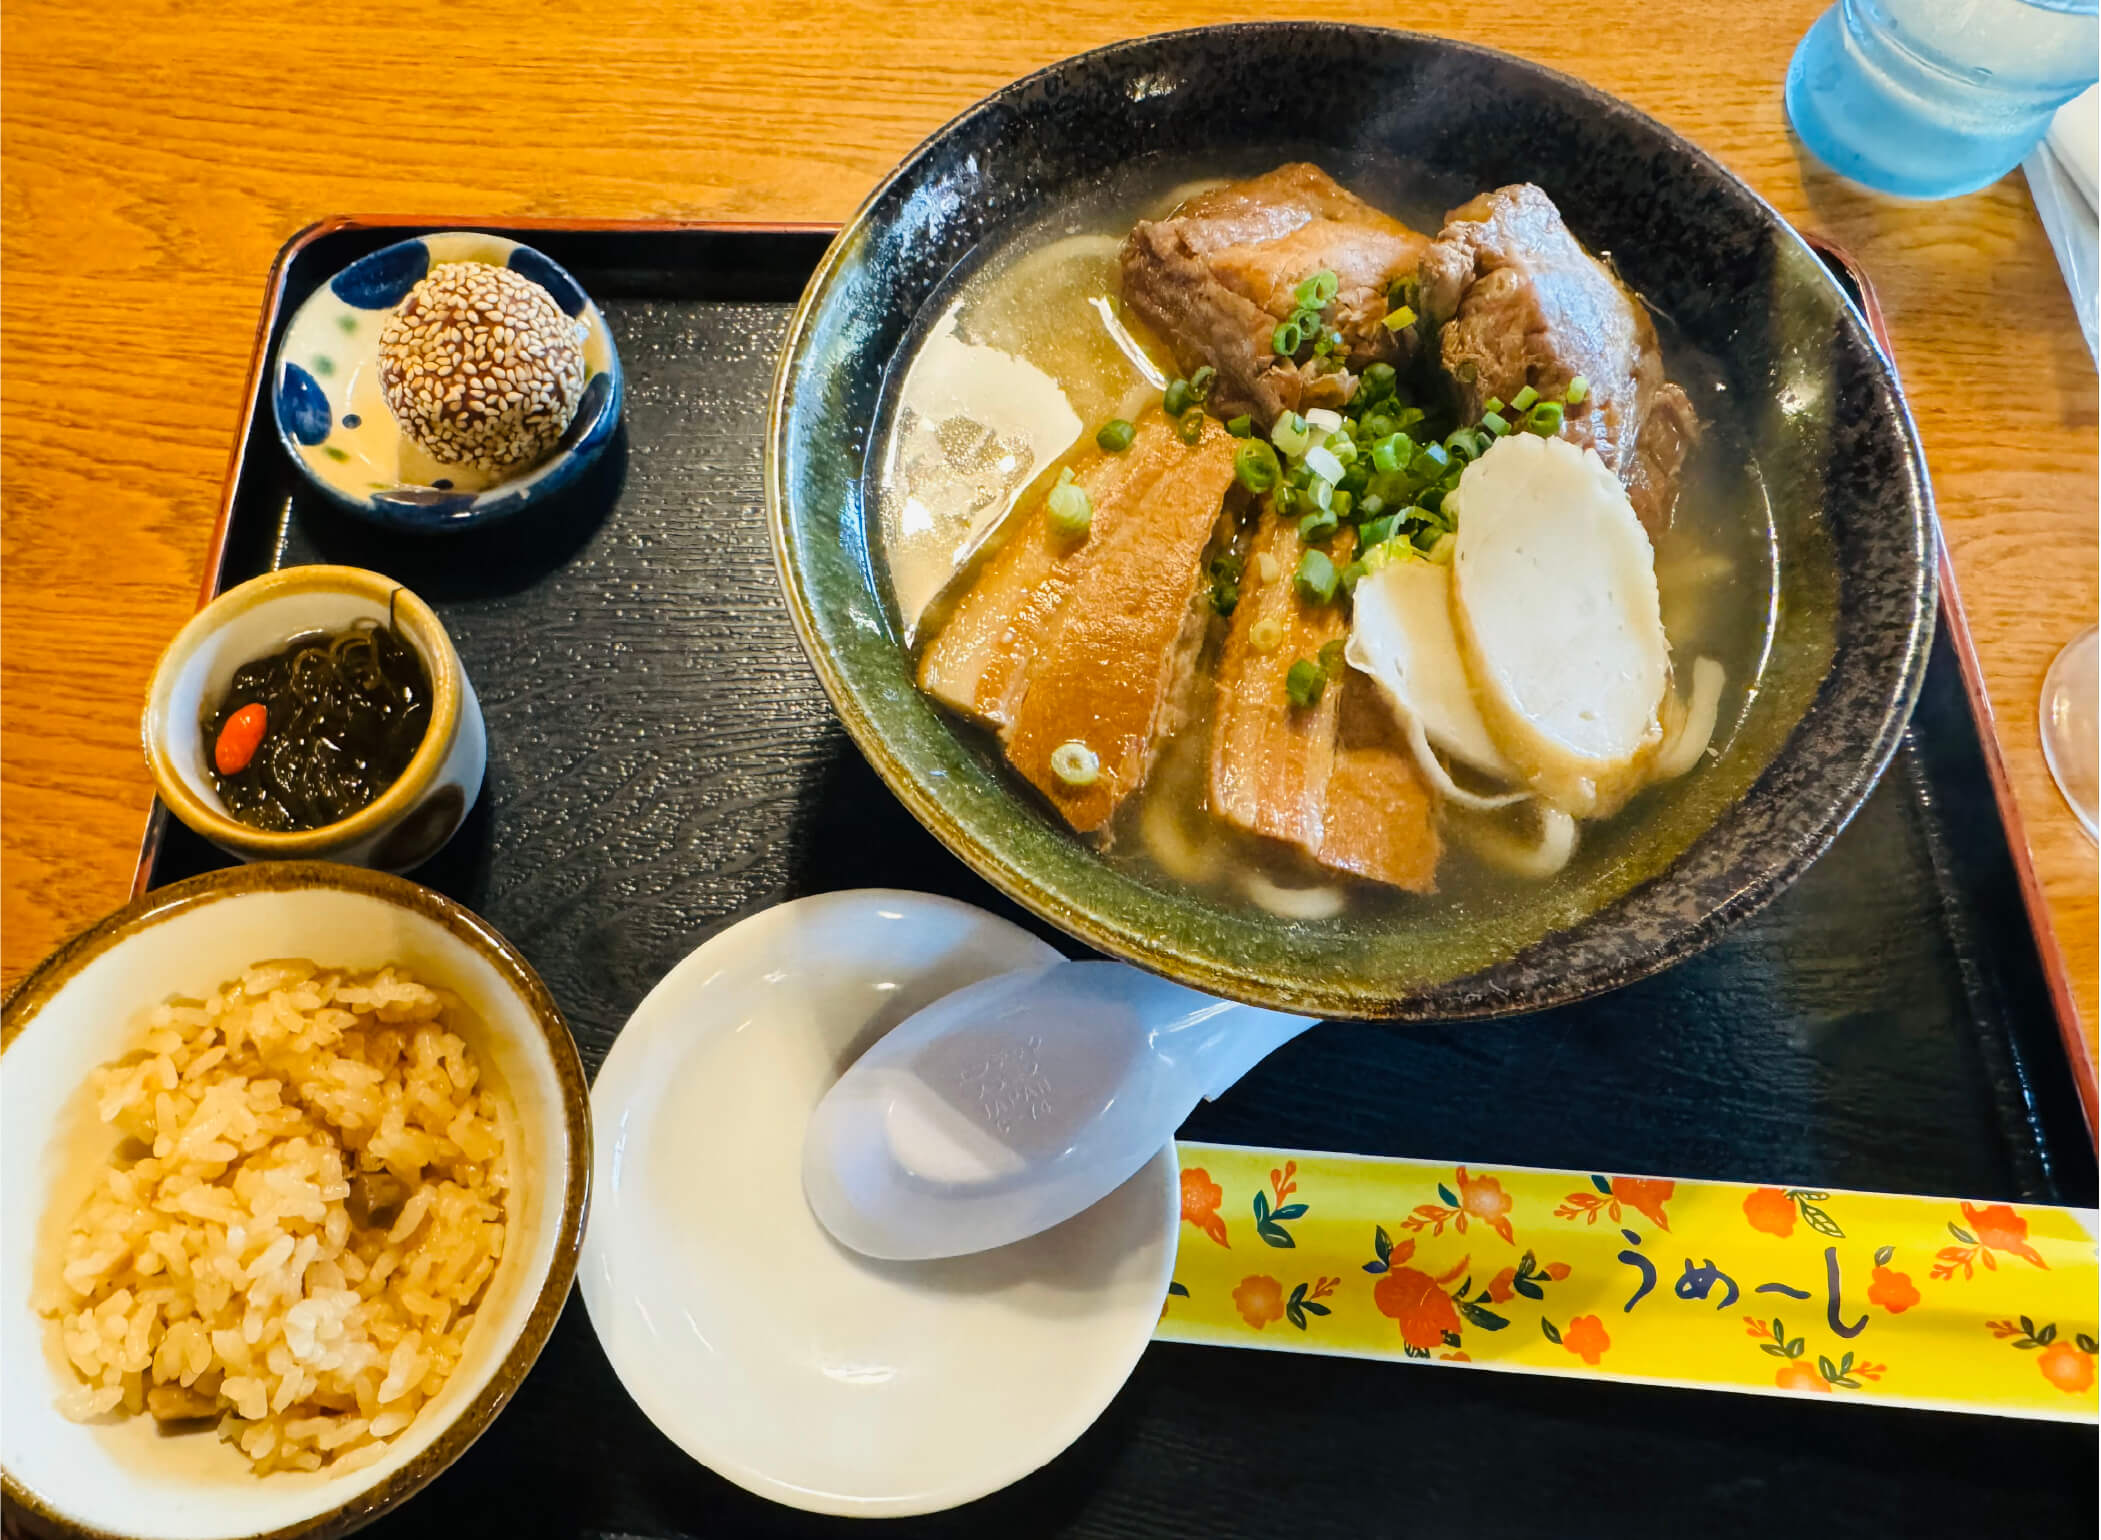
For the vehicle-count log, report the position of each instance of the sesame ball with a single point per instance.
(480, 367)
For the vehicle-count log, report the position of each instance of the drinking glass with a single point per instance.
(1934, 98)
(2071, 732)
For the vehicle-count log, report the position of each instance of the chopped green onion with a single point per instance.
(1241, 426)
(1381, 556)
(1321, 492)
(1266, 634)
(1393, 452)
(1377, 531)
(1442, 550)
(1324, 419)
(1401, 291)
(1377, 382)
(1341, 446)
(1410, 416)
(1070, 512)
(1255, 464)
(1401, 319)
(1524, 399)
(1331, 658)
(1285, 340)
(1317, 290)
(1225, 583)
(1291, 434)
(1189, 427)
(1316, 577)
(1318, 526)
(1200, 383)
(1430, 500)
(1371, 505)
(1438, 459)
(1266, 567)
(1339, 504)
(1322, 462)
(1075, 764)
(1322, 348)
(1465, 445)
(1116, 435)
(1546, 419)
(1355, 573)
(1578, 389)
(1305, 684)
(1426, 537)
(1495, 423)
(1178, 399)
(1394, 486)
(1492, 404)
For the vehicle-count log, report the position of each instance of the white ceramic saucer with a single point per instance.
(771, 1354)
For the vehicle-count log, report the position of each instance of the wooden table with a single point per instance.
(158, 154)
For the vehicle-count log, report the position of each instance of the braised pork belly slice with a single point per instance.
(1333, 779)
(1216, 278)
(1092, 640)
(1520, 302)
(1378, 819)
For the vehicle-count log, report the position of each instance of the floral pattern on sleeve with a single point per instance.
(1845, 1295)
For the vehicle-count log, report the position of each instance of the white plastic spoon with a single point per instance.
(1011, 1105)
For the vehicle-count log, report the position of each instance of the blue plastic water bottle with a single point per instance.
(1934, 98)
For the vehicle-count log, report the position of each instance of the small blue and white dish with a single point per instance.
(332, 413)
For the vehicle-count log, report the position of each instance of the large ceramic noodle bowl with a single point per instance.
(1427, 544)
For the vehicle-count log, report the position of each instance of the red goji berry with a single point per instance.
(239, 739)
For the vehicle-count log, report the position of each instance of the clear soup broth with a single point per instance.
(1017, 362)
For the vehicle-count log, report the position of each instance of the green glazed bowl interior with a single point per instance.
(1828, 428)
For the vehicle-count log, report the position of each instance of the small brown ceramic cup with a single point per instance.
(409, 821)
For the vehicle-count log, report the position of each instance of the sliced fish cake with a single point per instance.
(1401, 634)
(1555, 604)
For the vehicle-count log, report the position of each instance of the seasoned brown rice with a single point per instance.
(316, 1205)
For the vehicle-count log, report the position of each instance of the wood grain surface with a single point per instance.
(157, 154)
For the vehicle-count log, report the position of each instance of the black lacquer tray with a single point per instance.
(663, 762)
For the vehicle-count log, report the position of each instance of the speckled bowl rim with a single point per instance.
(433, 644)
(492, 504)
(43, 983)
(1532, 978)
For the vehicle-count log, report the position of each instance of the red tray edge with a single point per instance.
(1956, 618)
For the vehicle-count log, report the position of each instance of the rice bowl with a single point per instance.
(304, 1242)
(152, 970)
